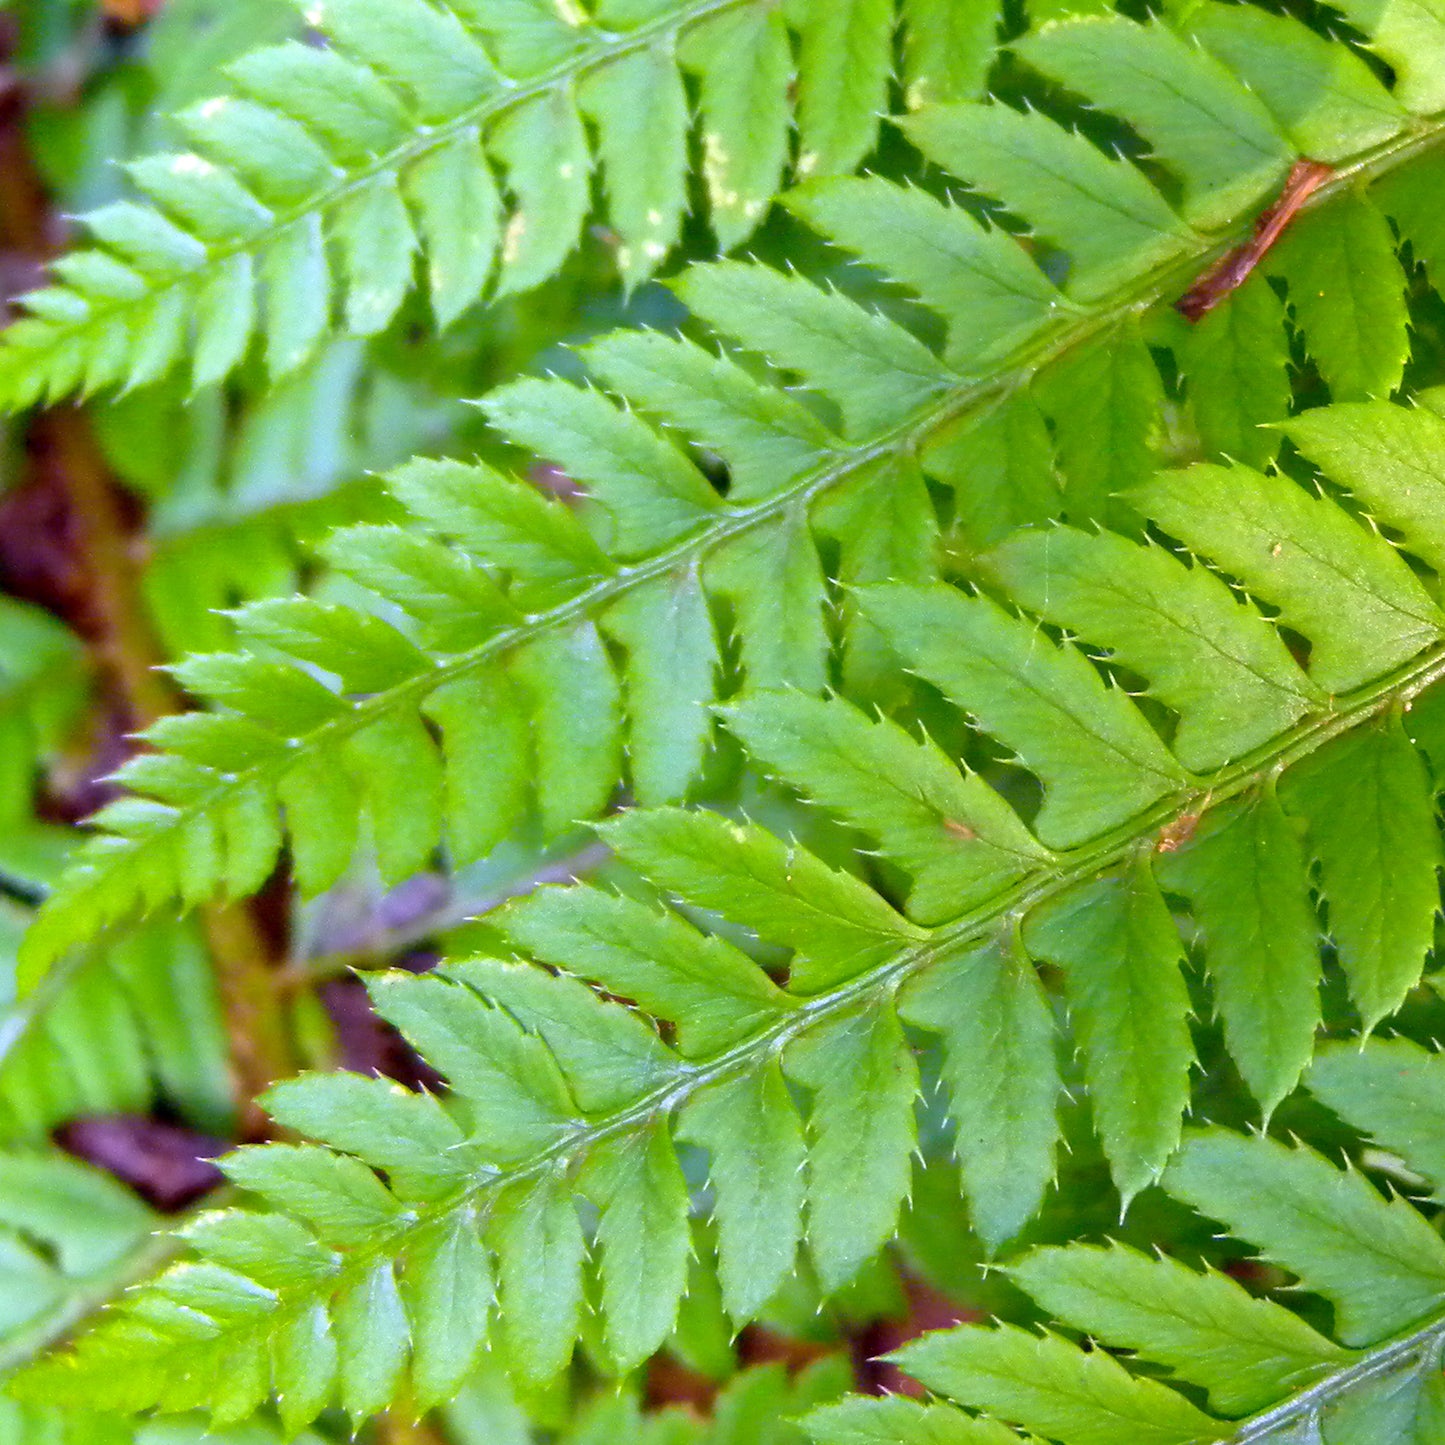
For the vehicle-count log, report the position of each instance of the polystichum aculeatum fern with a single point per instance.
(512, 633)
(1205, 732)
(557, 1092)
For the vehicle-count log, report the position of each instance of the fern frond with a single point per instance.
(27, 1425)
(758, 1404)
(390, 1244)
(113, 1026)
(1265, 1375)
(501, 613)
(35, 1425)
(321, 181)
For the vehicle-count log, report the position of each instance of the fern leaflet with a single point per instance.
(317, 183)
(72, 1238)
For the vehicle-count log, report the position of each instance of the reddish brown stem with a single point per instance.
(121, 634)
(1234, 268)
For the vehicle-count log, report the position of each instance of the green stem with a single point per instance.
(1422, 1346)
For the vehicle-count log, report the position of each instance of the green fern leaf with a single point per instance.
(38, 1426)
(1101, 211)
(1210, 658)
(897, 1421)
(1214, 134)
(559, 674)
(947, 50)
(904, 793)
(715, 994)
(1001, 469)
(744, 63)
(836, 925)
(1293, 551)
(990, 1004)
(71, 1237)
(651, 493)
(1121, 957)
(1390, 1091)
(656, 546)
(1104, 401)
(1379, 1264)
(1406, 200)
(773, 580)
(1246, 1352)
(754, 1138)
(609, 1054)
(766, 438)
(978, 280)
(870, 368)
(1347, 298)
(320, 178)
(846, 57)
(863, 1081)
(1382, 917)
(110, 1031)
(449, 1292)
(1411, 39)
(1193, 710)
(1396, 471)
(886, 529)
(1237, 358)
(1055, 711)
(1245, 877)
(641, 115)
(1323, 96)
(638, 1185)
(1047, 1384)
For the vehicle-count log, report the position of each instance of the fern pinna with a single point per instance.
(389, 1242)
(317, 181)
(504, 619)
(1263, 1374)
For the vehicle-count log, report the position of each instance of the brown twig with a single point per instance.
(261, 1046)
(1234, 268)
(130, 13)
(120, 633)
(122, 638)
